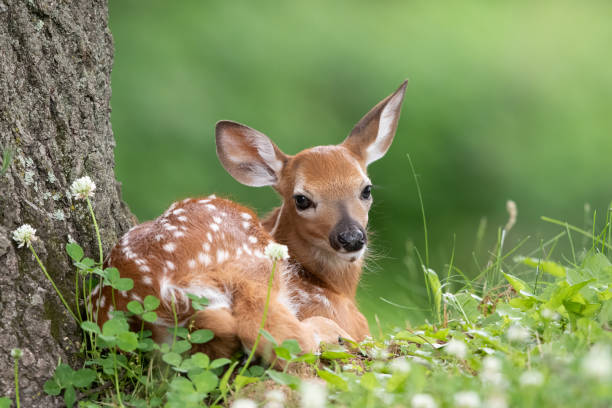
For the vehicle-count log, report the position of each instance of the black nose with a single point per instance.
(351, 239)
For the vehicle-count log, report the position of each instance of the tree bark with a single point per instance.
(55, 64)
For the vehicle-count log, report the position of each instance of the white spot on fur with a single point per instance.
(144, 268)
(158, 237)
(204, 201)
(222, 255)
(102, 301)
(169, 247)
(179, 234)
(123, 293)
(258, 254)
(147, 280)
(246, 216)
(140, 261)
(217, 220)
(206, 246)
(182, 218)
(211, 207)
(247, 249)
(204, 259)
(136, 297)
(214, 227)
(246, 224)
(209, 236)
(223, 214)
(170, 227)
(191, 263)
(178, 211)
(252, 239)
(238, 252)
(185, 201)
(170, 265)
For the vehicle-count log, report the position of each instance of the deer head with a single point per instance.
(325, 190)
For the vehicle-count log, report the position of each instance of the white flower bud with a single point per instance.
(25, 235)
(423, 401)
(276, 251)
(597, 363)
(531, 378)
(456, 348)
(82, 188)
(244, 403)
(314, 394)
(518, 333)
(467, 399)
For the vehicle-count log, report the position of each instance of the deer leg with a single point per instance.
(283, 325)
(224, 326)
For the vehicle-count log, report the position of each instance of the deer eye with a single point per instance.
(366, 193)
(302, 202)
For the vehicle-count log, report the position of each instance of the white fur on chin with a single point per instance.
(352, 256)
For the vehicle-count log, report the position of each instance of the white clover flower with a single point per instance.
(518, 333)
(548, 314)
(399, 365)
(597, 363)
(491, 364)
(491, 371)
(531, 378)
(456, 348)
(244, 403)
(275, 395)
(82, 188)
(16, 353)
(496, 401)
(276, 251)
(25, 235)
(467, 399)
(314, 394)
(423, 401)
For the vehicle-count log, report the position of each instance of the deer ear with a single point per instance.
(248, 155)
(372, 135)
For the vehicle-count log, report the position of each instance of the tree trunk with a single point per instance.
(55, 64)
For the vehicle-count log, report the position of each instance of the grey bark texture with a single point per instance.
(55, 65)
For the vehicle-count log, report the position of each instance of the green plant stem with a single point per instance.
(17, 382)
(263, 320)
(175, 319)
(54, 286)
(416, 180)
(576, 229)
(95, 223)
(76, 294)
(117, 377)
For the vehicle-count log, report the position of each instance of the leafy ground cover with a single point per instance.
(527, 331)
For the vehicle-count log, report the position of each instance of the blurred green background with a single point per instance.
(506, 100)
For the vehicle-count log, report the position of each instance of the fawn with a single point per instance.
(213, 247)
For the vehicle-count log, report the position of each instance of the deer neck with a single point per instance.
(318, 266)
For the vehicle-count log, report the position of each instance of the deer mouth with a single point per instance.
(351, 256)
